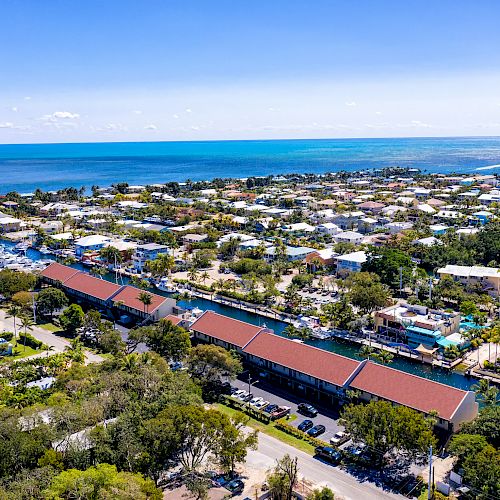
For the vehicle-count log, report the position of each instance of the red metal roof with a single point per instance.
(408, 390)
(129, 295)
(229, 330)
(58, 272)
(95, 287)
(303, 358)
(175, 320)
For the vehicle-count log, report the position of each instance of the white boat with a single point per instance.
(165, 285)
(44, 250)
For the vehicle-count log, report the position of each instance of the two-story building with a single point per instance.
(148, 251)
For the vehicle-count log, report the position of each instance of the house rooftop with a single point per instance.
(129, 297)
(303, 358)
(409, 390)
(58, 272)
(94, 287)
(227, 329)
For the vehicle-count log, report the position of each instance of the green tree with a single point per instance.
(101, 482)
(487, 424)
(462, 445)
(209, 363)
(386, 263)
(26, 324)
(482, 473)
(161, 265)
(340, 313)
(147, 299)
(385, 427)
(366, 291)
(234, 443)
(14, 312)
(49, 300)
(283, 478)
(12, 282)
(72, 317)
(324, 493)
(75, 350)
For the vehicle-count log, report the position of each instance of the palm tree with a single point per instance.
(481, 388)
(366, 351)
(26, 324)
(14, 312)
(385, 357)
(490, 398)
(75, 350)
(161, 265)
(146, 299)
(193, 274)
(204, 276)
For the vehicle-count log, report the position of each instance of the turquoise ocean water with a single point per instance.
(53, 166)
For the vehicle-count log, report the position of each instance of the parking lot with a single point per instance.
(326, 417)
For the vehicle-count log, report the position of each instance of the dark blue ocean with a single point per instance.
(53, 166)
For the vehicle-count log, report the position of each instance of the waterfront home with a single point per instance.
(488, 278)
(104, 295)
(9, 224)
(91, 243)
(299, 228)
(482, 217)
(321, 376)
(416, 325)
(350, 263)
(148, 251)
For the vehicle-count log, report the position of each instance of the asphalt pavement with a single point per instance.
(328, 418)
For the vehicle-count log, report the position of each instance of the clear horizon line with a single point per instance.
(253, 140)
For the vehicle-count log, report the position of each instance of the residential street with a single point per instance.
(311, 469)
(51, 339)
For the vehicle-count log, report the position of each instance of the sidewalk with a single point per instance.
(57, 343)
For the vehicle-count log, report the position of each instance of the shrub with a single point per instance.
(30, 341)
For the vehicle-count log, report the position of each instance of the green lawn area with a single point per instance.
(271, 430)
(20, 352)
(50, 327)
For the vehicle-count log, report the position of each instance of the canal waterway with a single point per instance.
(452, 378)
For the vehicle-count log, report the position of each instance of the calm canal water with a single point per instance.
(454, 379)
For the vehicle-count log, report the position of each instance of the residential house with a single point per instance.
(488, 278)
(148, 251)
(91, 243)
(350, 263)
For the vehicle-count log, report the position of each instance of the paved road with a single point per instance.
(57, 342)
(328, 418)
(342, 483)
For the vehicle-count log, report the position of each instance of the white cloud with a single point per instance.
(6, 125)
(189, 110)
(66, 115)
(195, 127)
(60, 115)
(378, 113)
(15, 109)
(351, 104)
(419, 124)
(151, 127)
(137, 112)
(175, 116)
(27, 98)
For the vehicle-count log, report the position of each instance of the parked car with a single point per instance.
(236, 486)
(356, 450)
(262, 404)
(247, 398)
(316, 430)
(239, 393)
(256, 401)
(234, 390)
(280, 412)
(270, 408)
(340, 438)
(329, 454)
(305, 425)
(307, 409)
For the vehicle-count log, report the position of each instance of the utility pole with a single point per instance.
(429, 489)
(430, 288)
(249, 383)
(401, 281)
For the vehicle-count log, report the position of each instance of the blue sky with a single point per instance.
(88, 70)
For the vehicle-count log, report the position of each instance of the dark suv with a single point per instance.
(329, 454)
(307, 410)
(305, 425)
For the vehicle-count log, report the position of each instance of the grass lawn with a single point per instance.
(20, 352)
(271, 430)
(50, 327)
